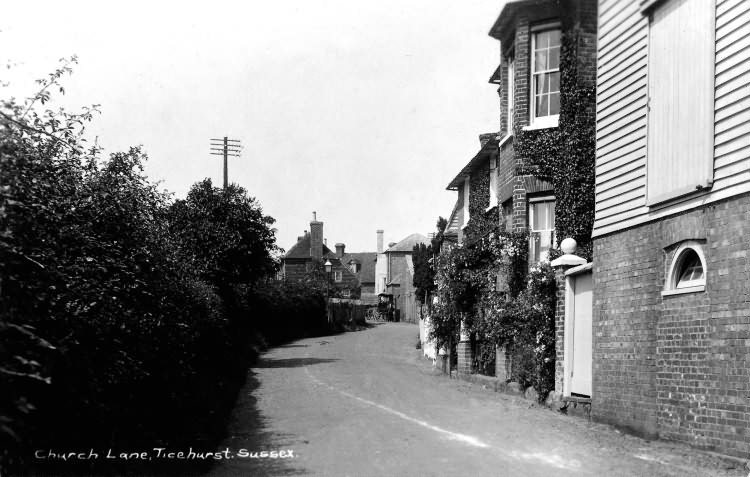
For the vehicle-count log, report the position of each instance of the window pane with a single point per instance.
(554, 82)
(542, 40)
(554, 37)
(542, 83)
(554, 103)
(542, 108)
(540, 60)
(554, 58)
(551, 214)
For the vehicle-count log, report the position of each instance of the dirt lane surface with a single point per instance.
(364, 404)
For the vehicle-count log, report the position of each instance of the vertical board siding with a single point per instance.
(622, 90)
(681, 95)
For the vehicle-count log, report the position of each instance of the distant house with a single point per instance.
(399, 278)
(310, 253)
(362, 266)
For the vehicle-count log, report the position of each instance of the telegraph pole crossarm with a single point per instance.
(225, 147)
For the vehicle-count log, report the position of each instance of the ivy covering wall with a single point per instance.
(521, 314)
(565, 155)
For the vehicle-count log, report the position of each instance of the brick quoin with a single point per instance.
(676, 366)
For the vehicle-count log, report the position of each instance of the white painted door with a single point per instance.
(580, 379)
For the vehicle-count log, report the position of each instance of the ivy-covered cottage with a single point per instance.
(533, 179)
(308, 256)
(671, 295)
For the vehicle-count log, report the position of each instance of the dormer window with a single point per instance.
(545, 77)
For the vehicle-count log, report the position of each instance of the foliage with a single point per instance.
(467, 277)
(526, 325)
(484, 357)
(284, 310)
(224, 233)
(120, 313)
(424, 273)
(565, 156)
(439, 238)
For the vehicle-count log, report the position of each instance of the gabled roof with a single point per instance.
(367, 261)
(407, 244)
(302, 249)
(484, 153)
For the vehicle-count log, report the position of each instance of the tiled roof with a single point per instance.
(367, 260)
(407, 244)
(483, 155)
(302, 249)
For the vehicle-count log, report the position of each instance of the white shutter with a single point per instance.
(681, 98)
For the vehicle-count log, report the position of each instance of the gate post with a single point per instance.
(562, 264)
(464, 351)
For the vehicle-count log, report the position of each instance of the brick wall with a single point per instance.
(560, 330)
(464, 355)
(676, 366)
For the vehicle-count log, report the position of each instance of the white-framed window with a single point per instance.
(346, 293)
(511, 91)
(687, 270)
(338, 275)
(493, 182)
(545, 76)
(542, 228)
(681, 62)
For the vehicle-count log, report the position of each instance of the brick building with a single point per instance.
(671, 296)
(311, 252)
(496, 185)
(530, 88)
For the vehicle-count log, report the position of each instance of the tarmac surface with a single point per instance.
(366, 403)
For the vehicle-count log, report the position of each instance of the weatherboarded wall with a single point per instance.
(622, 97)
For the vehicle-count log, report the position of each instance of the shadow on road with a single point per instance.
(248, 434)
(291, 362)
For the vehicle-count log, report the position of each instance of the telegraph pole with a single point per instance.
(225, 147)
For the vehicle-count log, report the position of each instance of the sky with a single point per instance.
(361, 111)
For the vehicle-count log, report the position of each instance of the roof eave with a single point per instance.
(485, 151)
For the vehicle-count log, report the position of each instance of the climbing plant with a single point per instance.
(565, 155)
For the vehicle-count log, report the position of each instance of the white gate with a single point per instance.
(578, 332)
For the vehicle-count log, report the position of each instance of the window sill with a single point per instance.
(507, 138)
(683, 291)
(538, 126)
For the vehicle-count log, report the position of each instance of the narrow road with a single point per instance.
(365, 404)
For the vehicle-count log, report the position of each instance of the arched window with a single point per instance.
(687, 272)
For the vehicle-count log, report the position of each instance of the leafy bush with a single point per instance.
(120, 313)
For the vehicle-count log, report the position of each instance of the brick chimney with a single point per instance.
(316, 238)
(380, 240)
(340, 249)
(485, 138)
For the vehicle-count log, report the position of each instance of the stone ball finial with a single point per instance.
(569, 246)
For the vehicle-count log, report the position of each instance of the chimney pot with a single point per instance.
(380, 240)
